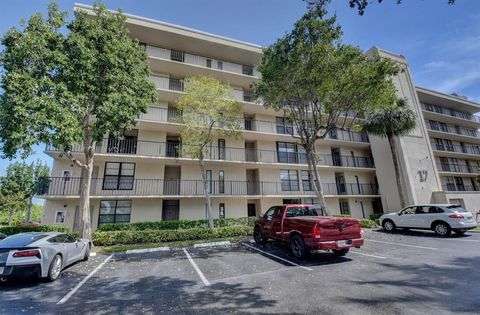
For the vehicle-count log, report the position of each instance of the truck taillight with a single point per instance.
(456, 216)
(316, 231)
(27, 253)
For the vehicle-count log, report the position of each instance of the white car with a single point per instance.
(442, 219)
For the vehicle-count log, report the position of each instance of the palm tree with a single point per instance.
(398, 121)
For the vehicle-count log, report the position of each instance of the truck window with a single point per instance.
(273, 212)
(300, 212)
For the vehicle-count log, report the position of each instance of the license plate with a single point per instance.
(1, 270)
(344, 243)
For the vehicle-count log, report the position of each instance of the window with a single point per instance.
(429, 107)
(114, 211)
(221, 210)
(248, 70)
(66, 175)
(287, 152)
(439, 144)
(434, 125)
(459, 183)
(450, 184)
(443, 127)
(422, 210)
(273, 212)
(221, 182)
(283, 126)
(209, 63)
(344, 207)
(220, 65)
(301, 212)
(209, 181)
(306, 183)
(449, 145)
(291, 201)
(60, 217)
(177, 55)
(289, 179)
(409, 210)
(435, 210)
(221, 149)
(118, 176)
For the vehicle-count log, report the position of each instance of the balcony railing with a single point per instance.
(453, 187)
(452, 129)
(172, 150)
(70, 186)
(467, 149)
(450, 112)
(457, 168)
(180, 56)
(172, 115)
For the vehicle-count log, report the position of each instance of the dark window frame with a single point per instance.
(114, 215)
(119, 176)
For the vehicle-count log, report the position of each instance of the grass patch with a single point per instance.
(178, 244)
(476, 230)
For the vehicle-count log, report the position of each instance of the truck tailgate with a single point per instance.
(332, 229)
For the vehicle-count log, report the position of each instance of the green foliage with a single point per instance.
(10, 230)
(396, 120)
(176, 225)
(209, 110)
(367, 223)
(158, 236)
(342, 216)
(18, 213)
(59, 86)
(375, 216)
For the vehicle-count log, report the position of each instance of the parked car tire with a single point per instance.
(340, 252)
(388, 225)
(299, 249)
(258, 236)
(87, 253)
(442, 229)
(55, 268)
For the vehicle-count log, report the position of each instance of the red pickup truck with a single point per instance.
(301, 226)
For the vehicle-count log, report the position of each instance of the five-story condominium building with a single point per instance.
(142, 177)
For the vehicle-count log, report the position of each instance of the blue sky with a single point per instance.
(441, 42)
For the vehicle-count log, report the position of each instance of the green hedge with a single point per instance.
(375, 216)
(10, 230)
(175, 225)
(366, 223)
(125, 237)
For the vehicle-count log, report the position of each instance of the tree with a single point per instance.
(209, 110)
(20, 184)
(392, 122)
(321, 84)
(71, 88)
(361, 5)
(12, 206)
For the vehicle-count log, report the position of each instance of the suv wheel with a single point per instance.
(388, 225)
(442, 229)
(258, 236)
(87, 253)
(299, 249)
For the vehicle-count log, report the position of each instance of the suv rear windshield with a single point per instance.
(301, 212)
(21, 240)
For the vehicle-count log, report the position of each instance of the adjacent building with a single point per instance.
(142, 177)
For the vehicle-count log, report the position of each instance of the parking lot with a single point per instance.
(401, 273)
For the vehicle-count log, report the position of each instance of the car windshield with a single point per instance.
(301, 211)
(21, 240)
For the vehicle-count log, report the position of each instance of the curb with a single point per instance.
(147, 250)
(213, 244)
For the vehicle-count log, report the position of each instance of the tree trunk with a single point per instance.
(85, 185)
(29, 209)
(10, 215)
(396, 167)
(207, 193)
(315, 180)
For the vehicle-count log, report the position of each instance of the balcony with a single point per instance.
(215, 153)
(462, 149)
(61, 187)
(456, 130)
(172, 115)
(457, 168)
(201, 61)
(450, 112)
(460, 188)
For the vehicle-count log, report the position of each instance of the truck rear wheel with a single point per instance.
(258, 236)
(299, 249)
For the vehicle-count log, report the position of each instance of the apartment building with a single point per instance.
(142, 176)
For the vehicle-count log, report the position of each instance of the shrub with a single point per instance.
(367, 223)
(375, 216)
(342, 216)
(10, 230)
(107, 238)
(175, 225)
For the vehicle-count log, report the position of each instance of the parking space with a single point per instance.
(400, 273)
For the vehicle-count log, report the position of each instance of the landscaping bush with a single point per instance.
(175, 225)
(342, 216)
(108, 238)
(375, 216)
(367, 223)
(10, 230)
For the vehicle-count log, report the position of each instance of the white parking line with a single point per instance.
(400, 244)
(369, 255)
(199, 272)
(79, 285)
(279, 258)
